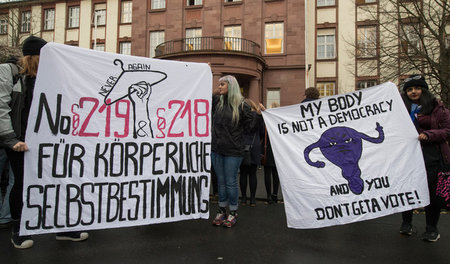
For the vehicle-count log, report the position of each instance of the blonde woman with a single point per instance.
(231, 116)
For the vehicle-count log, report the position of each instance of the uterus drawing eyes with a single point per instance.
(137, 85)
(343, 147)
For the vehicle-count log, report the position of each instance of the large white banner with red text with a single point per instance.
(115, 141)
(347, 158)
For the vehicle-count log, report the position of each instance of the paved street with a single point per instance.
(260, 236)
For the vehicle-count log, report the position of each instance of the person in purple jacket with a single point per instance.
(432, 121)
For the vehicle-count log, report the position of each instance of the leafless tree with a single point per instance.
(413, 37)
(11, 21)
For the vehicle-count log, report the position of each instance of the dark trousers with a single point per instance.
(433, 210)
(16, 160)
(271, 174)
(248, 174)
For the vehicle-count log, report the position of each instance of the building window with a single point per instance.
(100, 15)
(99, 47)
(232, 37)
(325, 45)
(127, 11)
(231, 1)
(273, 97)
(325, 3)
(365, 84)
(193, 39)
(367, 42)
(326, 88)
(4, 24)
(193, 2)
(274, 33)
(74, 17)
(360, 2)
(49, 19)
(410, 39)
(25, 22)
(125, 48)
(158, 4)
(156, 38)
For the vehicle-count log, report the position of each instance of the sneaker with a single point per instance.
(72, 236)
(406, 229)
(231, 220)
(220, 218)
(21, 242)
(431, 236)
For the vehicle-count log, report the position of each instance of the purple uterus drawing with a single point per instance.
(342, 146)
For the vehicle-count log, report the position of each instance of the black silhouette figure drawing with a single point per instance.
(138, 93)
(342, 146)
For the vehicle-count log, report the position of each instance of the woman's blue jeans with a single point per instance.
(227, 168)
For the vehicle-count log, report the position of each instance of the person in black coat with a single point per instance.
(248, 171)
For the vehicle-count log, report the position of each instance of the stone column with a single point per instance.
(254, 90)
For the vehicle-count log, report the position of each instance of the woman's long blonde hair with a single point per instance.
(234, 97)
(30, 65)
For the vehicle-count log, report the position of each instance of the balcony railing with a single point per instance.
(208, 44)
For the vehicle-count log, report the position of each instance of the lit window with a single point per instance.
(3, 24)
(326, 88)
(365, 84)
(100, 15)
(325, 3)
(230, 1)
(158, 4)
(193, 39)
(273, 97)
(127, 11)
(49, 19)
(25, 21)
(367, 42)
(193, 2)
(232, 37)
(274, 33)
(325, 46)
(156, 38)
(74, 17)
(125, 48)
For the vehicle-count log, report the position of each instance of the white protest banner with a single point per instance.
(347, 158)
(115, 141)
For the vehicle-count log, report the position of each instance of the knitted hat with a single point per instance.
(32, 45)
(415, 80)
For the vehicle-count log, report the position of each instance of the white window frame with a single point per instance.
(193, 38)
(156, 38)
(99, 47)
(326, 45)
(272, 96)
(367, 42)
(274, 30)
(326, 2)
(158, 4)
(25, 21)
(73, 17)
(127, 12)
(100, 14)
(49, 19)
(4, 24)
(326, 88)
(125, 47)
(363, 84)
(232, 37)
(411, 37)
(193, 2)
